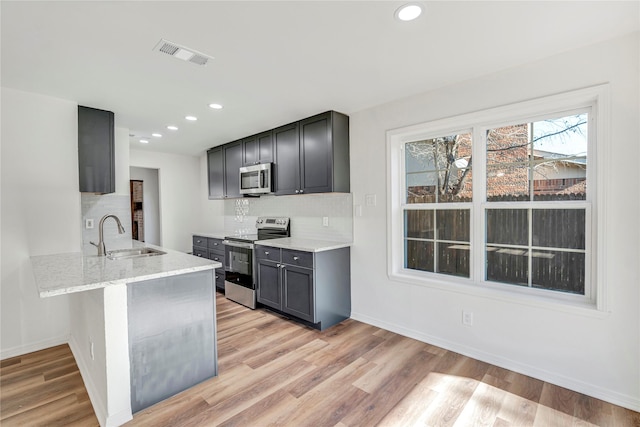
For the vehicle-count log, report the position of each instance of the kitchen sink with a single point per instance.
(133, 253)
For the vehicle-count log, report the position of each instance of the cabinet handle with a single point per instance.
(278, 265)
(282, 266)
(301, 191)
(199, 255)
(215, 259)
(215, 244)
(266, 252)
(297, 191)
(295, 258)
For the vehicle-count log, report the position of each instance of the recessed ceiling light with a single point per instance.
(408, 12)
(171, 127)
(191, 118)
(157, 135)
(215, 106)
(144, 141)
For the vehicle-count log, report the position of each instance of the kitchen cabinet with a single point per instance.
(313, 287)
(286, 171)
(257, 149)
(215, 168)
(96, 151)
(313, 158)
(232, 164)
(213, 249)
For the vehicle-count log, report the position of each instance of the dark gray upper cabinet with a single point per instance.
(309, 156)
(324, 153)
(96, 150)
(232, 164)
(320, 161)
(286, 142)
(258, 149)
(215, 166)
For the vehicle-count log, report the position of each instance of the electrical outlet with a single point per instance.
(325, 221)
(467, 318)
(88, 223)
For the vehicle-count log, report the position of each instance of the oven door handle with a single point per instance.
(234, 244)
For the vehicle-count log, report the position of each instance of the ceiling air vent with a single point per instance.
(181, 52)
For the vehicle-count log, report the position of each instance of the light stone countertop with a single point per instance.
(307, 245)
(60, 274)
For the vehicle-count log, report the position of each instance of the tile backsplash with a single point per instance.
(306, 213)
(95, 207)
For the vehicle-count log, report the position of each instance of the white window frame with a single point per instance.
(596, 99)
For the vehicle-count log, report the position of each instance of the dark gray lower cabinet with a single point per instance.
(311, 286)
(172, 336)
(213, 249)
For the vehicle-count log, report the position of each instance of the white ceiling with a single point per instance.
(275, 62)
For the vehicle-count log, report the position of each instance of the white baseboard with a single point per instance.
(98, 406)
(30, 348)
(611, 396)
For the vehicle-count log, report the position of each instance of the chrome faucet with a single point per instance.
(100, 245)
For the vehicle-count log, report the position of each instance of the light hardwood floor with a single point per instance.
(275, 372)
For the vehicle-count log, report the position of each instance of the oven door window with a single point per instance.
(239, 266)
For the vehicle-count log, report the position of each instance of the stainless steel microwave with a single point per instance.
(256, 179)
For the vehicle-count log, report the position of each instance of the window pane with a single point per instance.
(508, 144)
(453, 259)
(560, 271)
(419, 224)
(508, 183)
(421, 187)
(563, 136)
(419, 255)
(454, 225)
(507, 226)
(507, 265)
(559, 228)
(439, 166)
(560, 179)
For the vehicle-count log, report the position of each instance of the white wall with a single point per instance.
(212, 210)
(594, 354)
(151, 202)
(40, 214)
(180, 190)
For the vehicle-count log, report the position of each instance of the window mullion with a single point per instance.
(478, 238)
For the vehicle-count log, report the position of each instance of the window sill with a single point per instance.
(558, 302)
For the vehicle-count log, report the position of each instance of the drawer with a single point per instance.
(203, 253)
(299, 258)
(200, 241)
(215, 256)
(266, 252)
(216, 245)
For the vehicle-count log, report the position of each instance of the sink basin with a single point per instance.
(133, 253)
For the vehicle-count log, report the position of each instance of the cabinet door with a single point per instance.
(215, 166)
(232, 164)
(96, 155)
(287, 158)
(258, 149)
(297, 289)
(269, 284)
(316, 156)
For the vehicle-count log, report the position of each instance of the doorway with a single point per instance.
(145, 205)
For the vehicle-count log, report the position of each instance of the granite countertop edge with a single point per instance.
(66, 273)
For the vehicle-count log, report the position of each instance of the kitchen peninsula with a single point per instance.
(142, 326)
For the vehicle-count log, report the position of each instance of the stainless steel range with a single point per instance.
(240, 278)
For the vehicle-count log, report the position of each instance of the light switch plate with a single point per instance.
(370, 200)
(88, 223)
